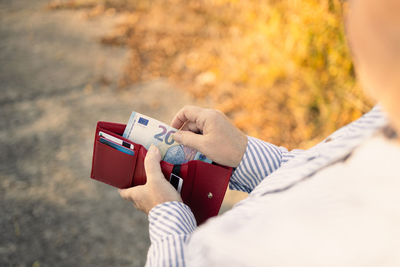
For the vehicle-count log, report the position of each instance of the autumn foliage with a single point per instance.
(280, 69)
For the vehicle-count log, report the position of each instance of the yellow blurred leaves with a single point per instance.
(280, 69)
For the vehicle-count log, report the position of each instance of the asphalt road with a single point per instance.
(52, 93)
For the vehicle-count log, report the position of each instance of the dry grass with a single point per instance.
(280, 69)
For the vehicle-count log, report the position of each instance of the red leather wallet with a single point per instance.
(203, 185)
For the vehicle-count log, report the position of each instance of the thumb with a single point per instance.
(152, 163)
(190, 139)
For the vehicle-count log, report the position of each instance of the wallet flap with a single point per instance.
(209, 188)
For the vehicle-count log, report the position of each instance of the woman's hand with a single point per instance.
(157, 190)
(210, 132)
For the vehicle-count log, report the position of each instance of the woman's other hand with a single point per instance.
(210, 132)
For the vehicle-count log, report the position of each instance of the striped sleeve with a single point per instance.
(260, 160)
(170, 226)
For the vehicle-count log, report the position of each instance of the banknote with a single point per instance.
(145, 131)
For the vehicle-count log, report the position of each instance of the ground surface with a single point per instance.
(56, 82)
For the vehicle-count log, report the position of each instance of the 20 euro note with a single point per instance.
(145, 131)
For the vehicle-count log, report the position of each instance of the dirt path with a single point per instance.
(51, 67)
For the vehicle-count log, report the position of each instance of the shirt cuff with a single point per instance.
(259, 161)
(170, 218)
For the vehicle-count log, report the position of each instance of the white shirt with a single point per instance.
(336, 204)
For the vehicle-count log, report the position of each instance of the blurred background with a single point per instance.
(281, 70)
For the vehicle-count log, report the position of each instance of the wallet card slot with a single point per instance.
(112, 166)
(115, 135)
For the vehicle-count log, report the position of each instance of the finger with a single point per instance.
(190, 139)
(187, 113)
(152, 163)
(190, 126)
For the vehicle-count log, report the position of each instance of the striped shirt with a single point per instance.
(240, 237)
